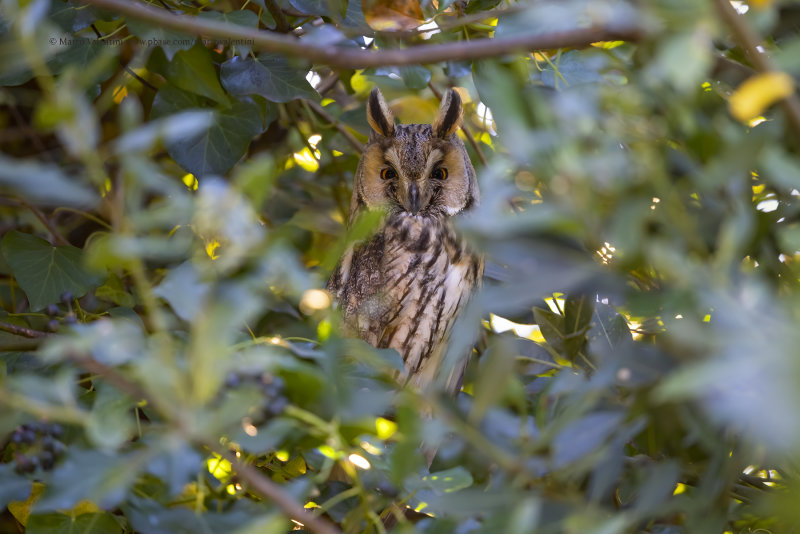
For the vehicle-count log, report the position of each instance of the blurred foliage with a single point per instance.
(171, 206)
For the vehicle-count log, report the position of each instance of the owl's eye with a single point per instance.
(439, 173)
(388, 174)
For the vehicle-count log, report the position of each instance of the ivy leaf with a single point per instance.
(216, 150)
(170, 42)
(58, 523)
(193, 70)
(270, 77)
(89, 474)
(45, 272)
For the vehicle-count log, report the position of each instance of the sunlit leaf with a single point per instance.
(752, 97)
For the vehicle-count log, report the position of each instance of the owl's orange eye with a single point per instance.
(440, 173)
(388, 173)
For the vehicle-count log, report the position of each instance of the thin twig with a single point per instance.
(464, 129)
(348, 57)
(750, 43)
(272, 491)
(319, 110)
(22, 331)
(257, 481)
(57, 237)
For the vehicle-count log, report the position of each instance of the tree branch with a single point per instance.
(750, 43)
(21, 331)
(347, 57)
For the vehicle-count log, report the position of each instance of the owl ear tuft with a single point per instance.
(379, 116)
(448, 118)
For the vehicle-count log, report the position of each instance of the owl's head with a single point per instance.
(419, 169)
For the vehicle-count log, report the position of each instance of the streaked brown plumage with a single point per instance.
(406, 285)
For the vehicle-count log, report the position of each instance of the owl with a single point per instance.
(404, 287)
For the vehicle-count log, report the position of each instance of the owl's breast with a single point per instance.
(428, 276)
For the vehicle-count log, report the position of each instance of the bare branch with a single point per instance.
(57, 237)
(21, 331)
(750, 43)
(342, 57)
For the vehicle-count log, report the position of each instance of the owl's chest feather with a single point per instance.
(404, 288)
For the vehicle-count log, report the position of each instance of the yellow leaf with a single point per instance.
(392, 15)
(759, 92)
(22, 509)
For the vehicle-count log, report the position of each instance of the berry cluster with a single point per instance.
(273, 388)
(37, 445)
(52, 311)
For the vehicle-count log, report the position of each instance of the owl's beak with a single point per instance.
(413, 198)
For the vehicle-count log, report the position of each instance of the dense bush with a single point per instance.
(174, 186)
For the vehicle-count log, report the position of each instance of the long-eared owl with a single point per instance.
(404, 287)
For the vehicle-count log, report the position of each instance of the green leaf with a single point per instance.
(217, 149)
(447, 481)
(42, 184)
(58, 523)
(183, 290)
(193, 70)
(495, 370)
(584, 436)
(575, 68)
(45, 272)
(415, 77)
(552, 327)
(92, 475)
(577, 322)
(239, 17)
(152, 36)
(110, 423)
(270, 76)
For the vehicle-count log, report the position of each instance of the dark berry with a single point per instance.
(47, 459)
(59, 448)
(48, 442)
(276, 406)
(28, 436)
(66, 297)
(70, 318)
(52, 310)
(52, 325)
(232, 380)
(56, 430)
(25, 464)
